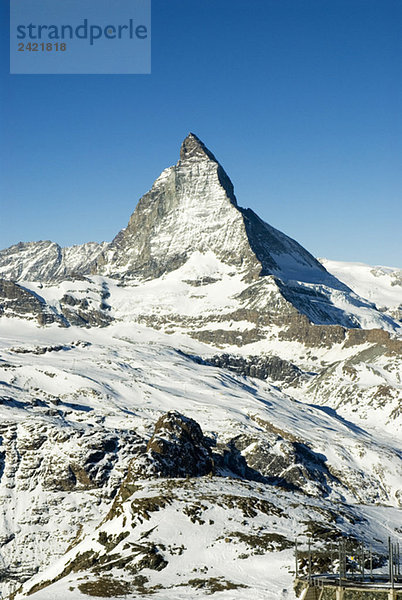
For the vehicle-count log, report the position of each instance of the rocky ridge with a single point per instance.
(46, 261)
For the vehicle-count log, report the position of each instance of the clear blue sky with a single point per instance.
(300, 100)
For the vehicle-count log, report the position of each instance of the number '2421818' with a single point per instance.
(42, 47)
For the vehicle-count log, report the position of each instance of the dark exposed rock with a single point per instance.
(379, 337)
(176, 449)
(193, 147)
(262, 367)
(302, 330)
(86, 318)
(274, 460)
(39, 349)
(228, 457)
(70, 300)
(222, 337)
(17, 301)
(80, 312)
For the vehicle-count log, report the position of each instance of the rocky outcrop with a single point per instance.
(263, 367)
(17, 301)
(278, 459)
(52, 478)
(84, 313)
(177, 448)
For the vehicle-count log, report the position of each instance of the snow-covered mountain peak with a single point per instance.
(191, 211)
(191, 207)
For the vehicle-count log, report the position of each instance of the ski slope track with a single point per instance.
(178, 405)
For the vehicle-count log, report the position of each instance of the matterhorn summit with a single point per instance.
(192, 208)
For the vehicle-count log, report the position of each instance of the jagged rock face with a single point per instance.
(42, 461)
(84, 313)
(176, 449)
(17, 301)
(278, 459)
(47, 261)
(263, 367)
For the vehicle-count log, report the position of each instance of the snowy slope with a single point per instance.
(381, 285)
(64, 391)
(358, 372)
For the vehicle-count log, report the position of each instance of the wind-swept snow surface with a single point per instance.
(79, 406)
(381, 285)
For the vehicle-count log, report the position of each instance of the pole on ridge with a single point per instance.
(395, 559)
(296, 559)
(391, 560)
(345, 573)
(371, 562)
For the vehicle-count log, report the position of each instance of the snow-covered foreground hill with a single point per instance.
(90, 500)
